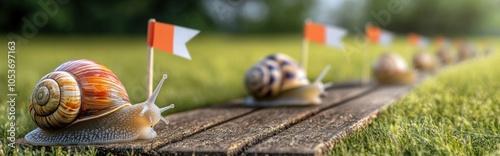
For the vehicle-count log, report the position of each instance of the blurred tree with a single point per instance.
(131, 16)
(431, 17)
(98, 17)
(428, 17)
(253, 16)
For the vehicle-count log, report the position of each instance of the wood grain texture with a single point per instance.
(233, 137)
(181, 125)
(317, 134)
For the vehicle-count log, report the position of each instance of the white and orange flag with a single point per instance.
(327, 35)
(170, 38)
(442, 41)
(417, 40)
(378, 35)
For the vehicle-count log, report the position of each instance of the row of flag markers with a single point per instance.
(172, 39)
(322, 34)
(168, 38)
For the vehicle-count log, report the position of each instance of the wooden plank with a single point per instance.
(181, 126)
(317, 134)
(232, 137)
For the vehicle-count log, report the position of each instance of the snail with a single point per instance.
(83, 102)
(392, 69)
(423, 61)
(466, 51)
(277, 80)
(445, 56)
(489, 50)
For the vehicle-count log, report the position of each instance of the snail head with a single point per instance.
(151, 110)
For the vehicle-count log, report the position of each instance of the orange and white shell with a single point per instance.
(76, 91)
(274, 74)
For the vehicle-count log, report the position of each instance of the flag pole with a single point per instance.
(150, 57)
(364, 66)
(364, 63)
(305, 50)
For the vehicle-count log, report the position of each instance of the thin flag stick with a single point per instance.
(305, 50)
(150, 57)
(150, 70)
(364, 67)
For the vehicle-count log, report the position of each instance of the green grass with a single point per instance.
(213, 76)
(454, 113)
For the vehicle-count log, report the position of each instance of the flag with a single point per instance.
(386, 38)
(373, 33)
(328, 35)
(170, 38)
(417, 40)
(378, 35)
(442, 41)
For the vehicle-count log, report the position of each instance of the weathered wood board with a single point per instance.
(181, 125)
(232, 137)
(317, 134)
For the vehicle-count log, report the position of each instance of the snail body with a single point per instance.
(277, 80)
(423, 61)
(83, 102)
(392, 69)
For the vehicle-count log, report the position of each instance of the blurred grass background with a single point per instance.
(453, 113)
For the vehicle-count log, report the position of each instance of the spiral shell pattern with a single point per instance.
(55, 102)
(274, 74)
(76, 91)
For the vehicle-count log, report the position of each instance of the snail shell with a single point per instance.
(76, 91)
(445, 56)
(274, 74)
(466, 51)
(489, 50)
(278, 80)
(423, 61)
(392, 69)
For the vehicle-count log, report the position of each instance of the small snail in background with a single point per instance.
(424, 61)
(489, 50)
(466, 51)
(277, 80)
(445, 56)
(392, 69)
(83, 102)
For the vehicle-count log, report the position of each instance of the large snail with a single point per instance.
(277, 80)
(445, 56)
(392, 69)
(424, 61)
(83, 102)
